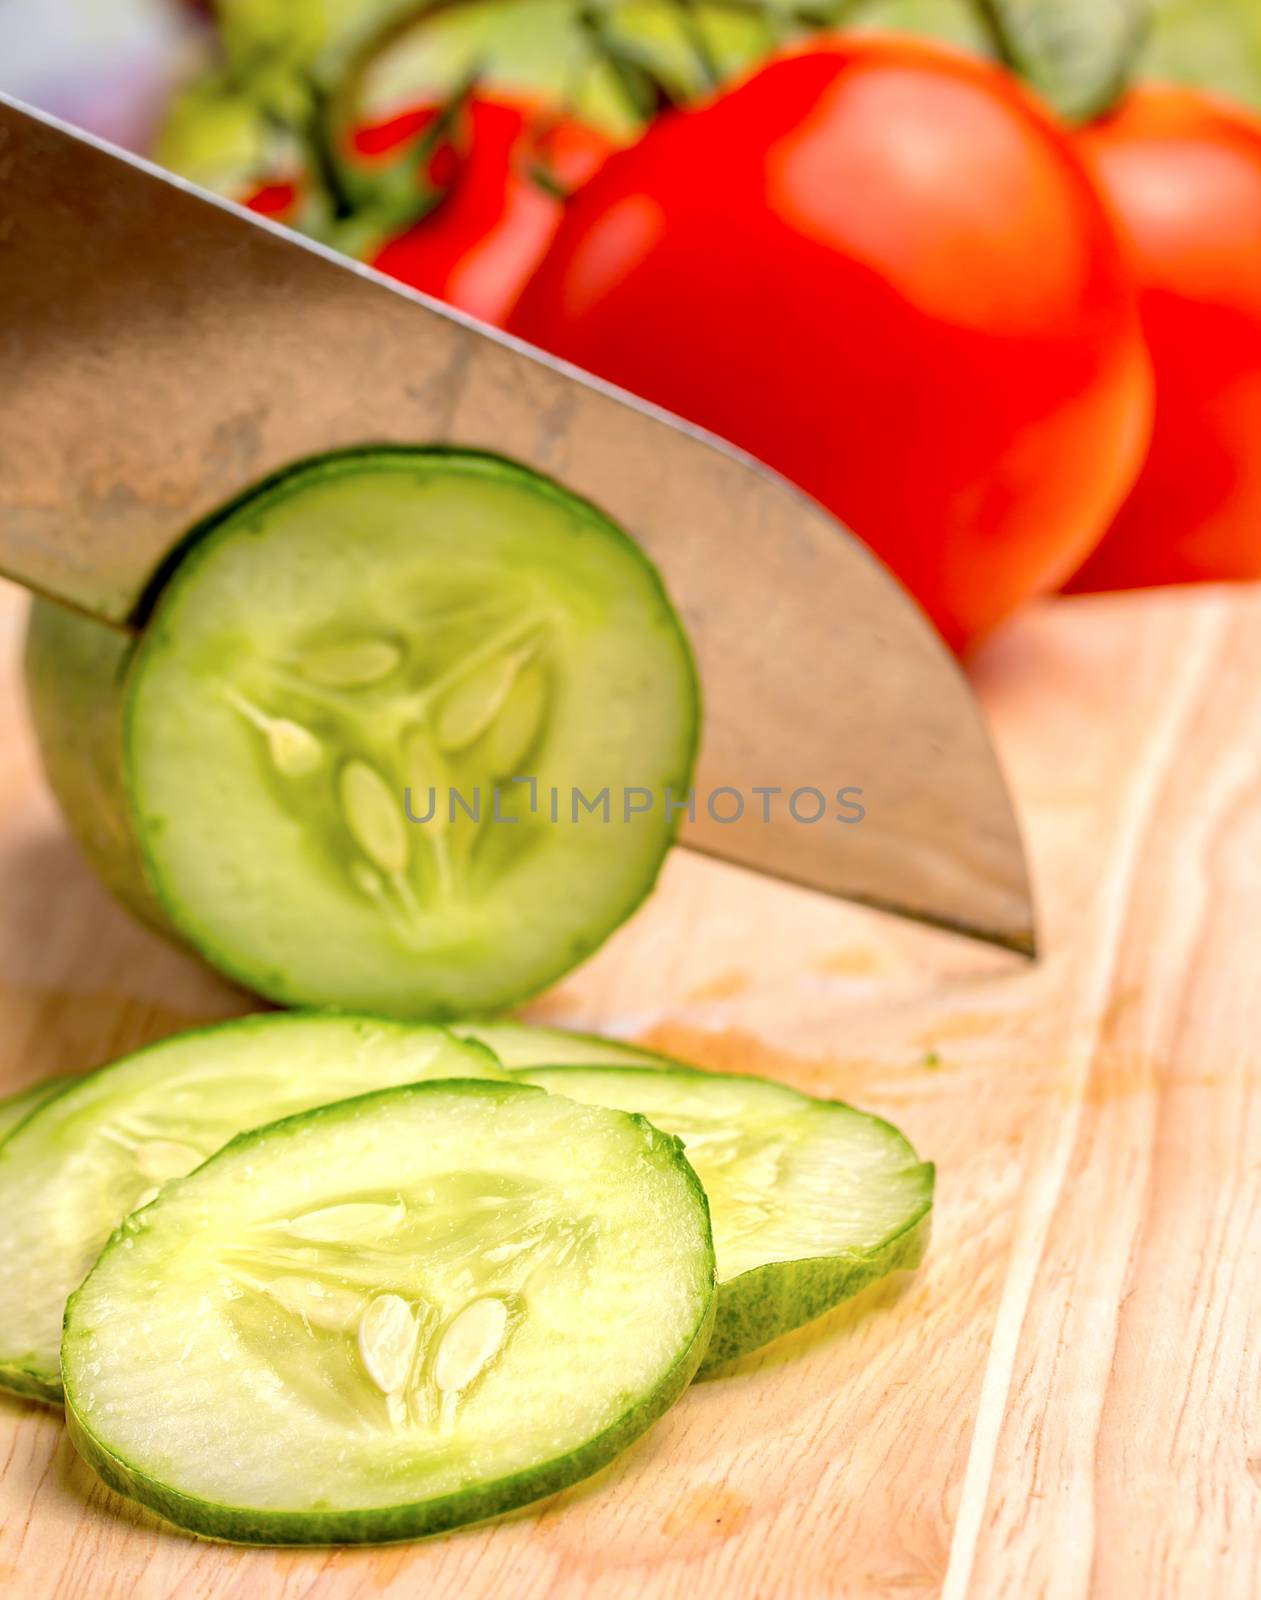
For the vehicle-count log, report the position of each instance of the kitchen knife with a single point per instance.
(161, 350)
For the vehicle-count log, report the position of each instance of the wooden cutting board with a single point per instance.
(1064, 1401)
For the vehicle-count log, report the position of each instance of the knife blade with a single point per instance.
(163, 350)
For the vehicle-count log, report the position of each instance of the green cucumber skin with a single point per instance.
(391, 1524)
(75, 672)
(79, 677)
(29, 1385)
(763, 1305)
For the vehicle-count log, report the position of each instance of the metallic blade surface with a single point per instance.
(161, 351)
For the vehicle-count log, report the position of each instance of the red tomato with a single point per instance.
(877, 265)
(277, 200)
(501, 210)
(1184, 175)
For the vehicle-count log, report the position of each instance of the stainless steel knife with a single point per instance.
(161, 350)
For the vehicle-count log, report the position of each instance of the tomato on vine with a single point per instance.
(878, 265)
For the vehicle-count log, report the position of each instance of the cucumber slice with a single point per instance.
(17, 1107)
(523, 1044)
(811, 1200)
(107, 1143)
(391, 1316)
(372, 623)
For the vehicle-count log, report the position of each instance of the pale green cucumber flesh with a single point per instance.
(392, 1315)
(811, 1199)
(390, 620)
(15, 1108)
(106, 1144)
(528, 1044)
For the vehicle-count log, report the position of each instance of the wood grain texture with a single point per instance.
(1064, 1402)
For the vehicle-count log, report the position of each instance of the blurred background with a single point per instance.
(982, 275)
(174, 75)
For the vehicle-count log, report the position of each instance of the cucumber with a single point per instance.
(367, 624)
(106, 1144)
(17, 1107)
(525, 1044)
(811, 1200)
(392, 1315)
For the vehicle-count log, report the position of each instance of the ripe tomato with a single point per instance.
(503, 203)
(1184, 175)
(878, 265)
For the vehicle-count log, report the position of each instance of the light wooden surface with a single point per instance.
(1064, 1401)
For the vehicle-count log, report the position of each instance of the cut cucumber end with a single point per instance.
(392, 1316)
(391, 622)
(108, 1142)
(811, 1200)
(357, 756)
(75, 673)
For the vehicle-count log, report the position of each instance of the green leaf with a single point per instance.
(1211, 44)
(1078, 54)
(1074, 51)
(301, 37)
(955, 21)
(216, 136)
(604, 60)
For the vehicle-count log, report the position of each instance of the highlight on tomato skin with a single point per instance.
(1183, 172)
(878, 265)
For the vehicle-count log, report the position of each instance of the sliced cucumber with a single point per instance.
(523, 1044)
(105, 1145)
(811, 1200)
(372, 623)
(392, 1315)
(17, 1107)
